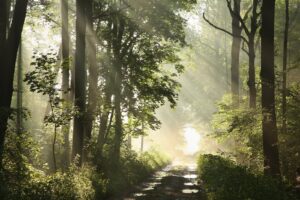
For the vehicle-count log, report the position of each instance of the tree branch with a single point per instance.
(224, 30)
(238, 16)
(244, 49)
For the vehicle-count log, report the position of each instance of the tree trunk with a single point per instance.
(118, 32)
(3, 28)
(102, 132)
(107, 106)
(270, 137)
(118, 114)
(104, 119)
(284, 66)
(251, 81)
(142, 143)
(65, 77)
(235, 55)
(19, 90)
(8, 55)
(93, 72)
(19, 118)
(251, 45)
(80, 81)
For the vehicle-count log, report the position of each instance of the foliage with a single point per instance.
(224, 180)
(145, 50)
(133, 170)
(23, 175)
(290, 147)
(43, 80)
(239, 129)
(74, 184)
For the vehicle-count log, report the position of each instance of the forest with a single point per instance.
(149, 99)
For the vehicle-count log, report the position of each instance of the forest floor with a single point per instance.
(171, 183)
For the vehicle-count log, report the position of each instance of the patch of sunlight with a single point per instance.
(190, 176)
(139, 194)
(192, 139)
(189, 191)
(189, 184)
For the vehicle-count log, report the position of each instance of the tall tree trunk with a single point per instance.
(8, 55)
(251, 81)
(80, 81)
(251, 44)
(19, 118)
(235, 54)
(65, 51)
(284, 66)
(118, 32)
(102, 132)
(142, 143)
(118, 113)
(93, 71)
(3, 26)
(104, 119)
(107, 105)
(129, 142)
(19, 90)
(270, 137)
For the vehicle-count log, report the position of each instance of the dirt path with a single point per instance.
(172, 183)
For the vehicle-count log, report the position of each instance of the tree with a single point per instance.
(250, 33)
(235, 47)
(136, 51)
(19, 123)
(241, 23)
(235, 53)
(284, 66)
(65, 51)
(43, 80)
(269, 128)
(80, 81)
(117, 31)
(92, 69)
(10, 37)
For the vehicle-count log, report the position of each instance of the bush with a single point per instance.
(224, 180)
(133, 170)
(75, 184)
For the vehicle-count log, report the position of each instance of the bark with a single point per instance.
(107, 107)
(142, 143)
(118, 34)
(93, 72)
(118, 114)
(235, 55)
(53, 149)
(19, 119)
(104, 119)
(251, 47)
(284, 66)
(269, 128)
(19, 91)
(102, 133)
(251, 73)
(80, 81)
(3, 26)
(8, 55)
(129, 142)
(65, 51)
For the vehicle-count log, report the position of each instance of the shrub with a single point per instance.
(75, 184)
(133, 170)
(224, 180)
